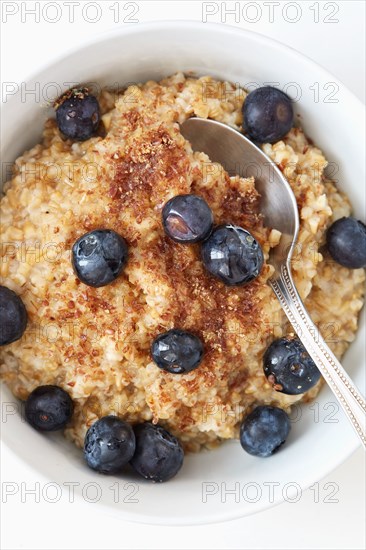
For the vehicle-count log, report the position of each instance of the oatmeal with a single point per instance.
(95, 342)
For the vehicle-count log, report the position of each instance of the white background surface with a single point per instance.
(307, 524)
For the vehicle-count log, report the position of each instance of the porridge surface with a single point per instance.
(95, 342)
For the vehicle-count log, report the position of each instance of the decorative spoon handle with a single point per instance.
(352, 402)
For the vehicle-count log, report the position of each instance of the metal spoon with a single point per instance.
(238, 155)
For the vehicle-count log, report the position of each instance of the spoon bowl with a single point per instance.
(239, 156)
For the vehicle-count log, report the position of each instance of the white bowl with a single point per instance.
(225, 483)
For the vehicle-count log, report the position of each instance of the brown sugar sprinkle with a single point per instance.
(131, 119)
(147, 165)
(78, 93)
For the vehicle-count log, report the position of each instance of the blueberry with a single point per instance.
(177, 351)
(346, 242)
(232, 254)
(13, 316)
(109, 445)
(264, 430)
(187, 219)
(267, 115)
(48, 408)
(289, 367)
(98, 257)
(159, 455)
(77, 114)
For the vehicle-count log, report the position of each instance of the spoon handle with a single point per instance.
(352, 402)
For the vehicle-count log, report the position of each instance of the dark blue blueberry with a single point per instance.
(267, 115)
(98, 257)
(159, 455)
(109, 445)
(264, 430)
(13, 316)
(187, 219)
(177, 351)
(48, 408)
(232, 254)
(289, 367)
(346, 242)
(77, 114)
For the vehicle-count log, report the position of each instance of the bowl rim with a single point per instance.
(229, 30)
(184, 24)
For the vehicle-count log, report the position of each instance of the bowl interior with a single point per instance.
(224, 483)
